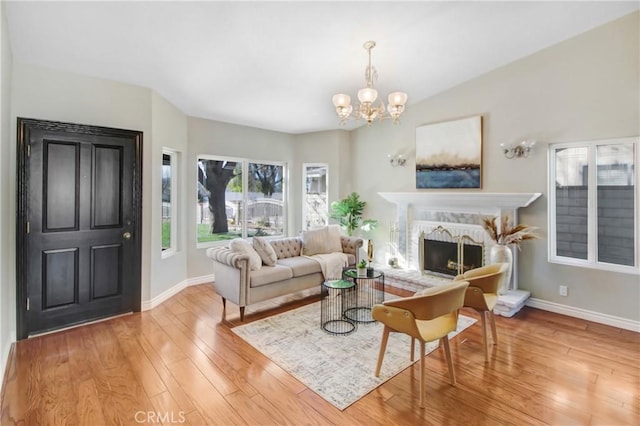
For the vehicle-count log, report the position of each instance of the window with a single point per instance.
(239, 198)
(593, 206)
(315, 209)
(169, 202)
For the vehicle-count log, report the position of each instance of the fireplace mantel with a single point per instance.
(472, 202)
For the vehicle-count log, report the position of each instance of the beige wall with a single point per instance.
(169, 129)
(7, 236)
(582, 89)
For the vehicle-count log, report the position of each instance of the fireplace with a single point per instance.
(461, 212)
(442, 253)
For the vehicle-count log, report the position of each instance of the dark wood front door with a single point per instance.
(79, 203)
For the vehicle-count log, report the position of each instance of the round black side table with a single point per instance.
(370, 291)
(338, 296)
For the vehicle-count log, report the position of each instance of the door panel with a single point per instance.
(60, 189)
(107, 181)
(79, 202)
(106, 271)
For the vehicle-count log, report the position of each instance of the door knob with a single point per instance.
(126, 235)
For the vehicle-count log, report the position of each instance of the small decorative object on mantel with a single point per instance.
(506, 236)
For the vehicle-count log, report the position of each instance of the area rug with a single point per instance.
(338, 368)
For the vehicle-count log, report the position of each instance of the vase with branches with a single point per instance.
(504, 237)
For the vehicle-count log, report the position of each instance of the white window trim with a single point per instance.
(305, 166)
(245, 183)
(591, 261)
(174, 155)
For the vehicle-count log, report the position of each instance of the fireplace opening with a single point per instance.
(441, 257)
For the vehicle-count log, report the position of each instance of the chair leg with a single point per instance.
(224, 309)
(383, 348)
(494, 333)
(447, 355)
(422, 355)
(241, 313)
(413, 348)
(484, 335)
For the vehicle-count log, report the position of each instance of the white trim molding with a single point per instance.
(584, 314)
(167, 294)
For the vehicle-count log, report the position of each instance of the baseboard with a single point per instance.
(150, 304)
(4, 359)
(200, 280)
(584, 314)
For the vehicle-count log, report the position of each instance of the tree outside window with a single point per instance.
(238, 198)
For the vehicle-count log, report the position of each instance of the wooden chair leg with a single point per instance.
(241, 313)
(383, 348)
(422, 355)
(413, 348)
(494, 333)
(447, 355)
(484, 335)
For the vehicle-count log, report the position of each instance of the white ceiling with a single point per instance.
(276, 65)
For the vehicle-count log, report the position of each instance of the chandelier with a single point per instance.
(367, 96)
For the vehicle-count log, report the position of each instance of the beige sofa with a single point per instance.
(236, 281)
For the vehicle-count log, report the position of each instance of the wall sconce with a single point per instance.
(396, 159)
(523, 149)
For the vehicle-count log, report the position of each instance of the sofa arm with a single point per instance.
(351, 245)
(228, 257)
(231, 274)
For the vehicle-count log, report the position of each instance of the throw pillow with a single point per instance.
(334, 243)
(314, 241)
(243, 246)
(321, 240)
(265, 250)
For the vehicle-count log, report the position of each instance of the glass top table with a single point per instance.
(369, 291)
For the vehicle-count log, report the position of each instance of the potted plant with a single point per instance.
(348, 212)
(362, 268)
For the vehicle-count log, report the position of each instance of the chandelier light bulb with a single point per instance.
(397, 98)
(368, 95)
(341, 100)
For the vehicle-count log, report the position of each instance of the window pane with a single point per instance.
(265, 200)
(166, 202)
(219, 200)
(572, 202)
(316, 210)
(616, 192)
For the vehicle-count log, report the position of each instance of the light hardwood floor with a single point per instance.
(182, 361)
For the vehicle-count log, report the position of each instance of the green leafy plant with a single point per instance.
(362, 264)
(348, 212)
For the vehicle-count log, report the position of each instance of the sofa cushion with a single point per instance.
(269, 274)
(321, 240)
(243, 246)
(351, 259)
(301, 265)
(265, 250)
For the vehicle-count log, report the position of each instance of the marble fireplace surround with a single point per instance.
(416, 208)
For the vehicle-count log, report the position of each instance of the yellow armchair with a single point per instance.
(426, 316)
(482, 295)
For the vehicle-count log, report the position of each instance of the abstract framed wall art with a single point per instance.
(449, 154)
